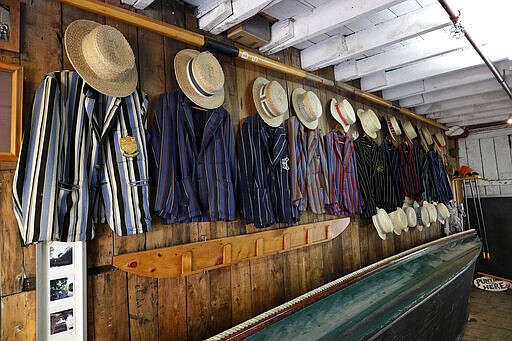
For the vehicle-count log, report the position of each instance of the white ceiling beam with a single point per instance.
(241, 10)
(448, 80)
(475, 116)
(470, 109)
(495, 108)
(339, 48)
(215, 16)
(464, 123)
(461, 102)
(432, 67)
(489, 85)
(325, 18)
(394, 58)
(142, 4)
(427, 68)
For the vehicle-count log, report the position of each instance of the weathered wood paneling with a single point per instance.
(121, 306)
(489, 154)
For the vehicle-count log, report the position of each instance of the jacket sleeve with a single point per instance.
(246, 175)
(36, 173)
(325, 172)
(162, 159)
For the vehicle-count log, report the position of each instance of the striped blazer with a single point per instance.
(297, 138)
(264, 172)
(345, 195)
(193, 156)
(317, 182)
(443, 189)
(82, 160)
(393, 161)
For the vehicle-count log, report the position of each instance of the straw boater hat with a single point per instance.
(200, 77)
(409, 130)
(393, 127)
(343, 113)
(270, 100)
(442, 212)
(422, 219)
(369, 121)
(382, 223)
(102, 57)
(411, 216)
(399, 220)
(307, 106)
(427, 135)
(432, 212)
(439, 139)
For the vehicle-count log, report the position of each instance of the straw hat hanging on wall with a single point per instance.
(399, 219)
(200, 77)
(102, 57)
(343, 113)
(393, 127)
(270, 100)
(307, 106)
(382, 223)
(369, 122)
(409, 130)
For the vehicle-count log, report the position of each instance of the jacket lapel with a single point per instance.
(211, 126)
(112, 108)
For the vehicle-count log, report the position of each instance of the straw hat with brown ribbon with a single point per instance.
(200, 77)
(439, 140)
(270, 100)
(307, 106)
(369, 121)
(343, 113)
(102, 57)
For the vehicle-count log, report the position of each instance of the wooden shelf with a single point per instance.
(182, 260)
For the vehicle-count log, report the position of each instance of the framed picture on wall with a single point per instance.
(11, 92)
(61, 291)
(10, 25)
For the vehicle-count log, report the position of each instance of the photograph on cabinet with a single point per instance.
(62, 321)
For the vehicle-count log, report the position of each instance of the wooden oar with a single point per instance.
(196, 39)
(182, 260)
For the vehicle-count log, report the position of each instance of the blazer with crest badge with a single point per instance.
(83, 160)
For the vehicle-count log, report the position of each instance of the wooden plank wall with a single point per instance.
(121, 306)
(489, 154)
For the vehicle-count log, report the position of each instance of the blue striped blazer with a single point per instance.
(264, 172)
(193, 161)
(83, 160)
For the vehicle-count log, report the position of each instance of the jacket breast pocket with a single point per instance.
(72, 204)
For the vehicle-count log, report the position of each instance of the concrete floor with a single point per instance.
(490, 316)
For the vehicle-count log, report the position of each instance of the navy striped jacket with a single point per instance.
(193, 161)
(83, 160)
(264, 172)
(443, 189)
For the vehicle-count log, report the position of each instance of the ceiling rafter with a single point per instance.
(476, 88)
(488, 114)
(489, 109)
(445, 81)
(323, 19)
(340, 48)
(479, 120)
(395, 58)
(453, 104)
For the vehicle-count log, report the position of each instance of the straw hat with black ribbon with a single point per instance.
(102, 56)
(369, 122)
(382, 223)
(270, 100)
(409, 130)
(343, 113)
(393, 127)
(307, 106)
(200, 77)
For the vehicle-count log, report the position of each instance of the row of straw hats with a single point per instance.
(104, 59)
(409, 216)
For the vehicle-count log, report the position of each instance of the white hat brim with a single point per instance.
(295, 95)
(73, 37)
(361, 114)
(380, 232)
(256, 87)
(180, 70)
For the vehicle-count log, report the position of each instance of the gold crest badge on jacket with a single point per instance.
(129, 146)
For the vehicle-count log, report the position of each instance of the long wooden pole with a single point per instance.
(195, 39)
